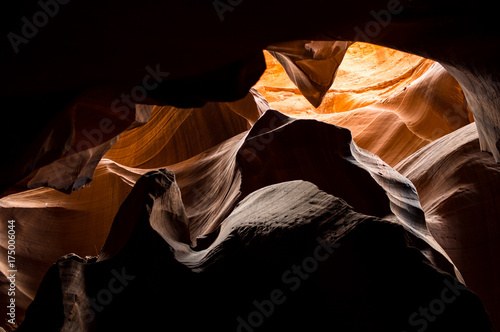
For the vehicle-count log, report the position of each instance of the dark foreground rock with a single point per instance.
(289, 257)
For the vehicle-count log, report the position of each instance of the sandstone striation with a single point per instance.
(394, 103)
(457, 185)
(199, 231)
(159, 175)
(264, 269)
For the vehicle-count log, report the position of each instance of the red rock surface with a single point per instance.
(263, 231)
(226, 220)
(458, 188)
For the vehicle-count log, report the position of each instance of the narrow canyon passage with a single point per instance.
(354, 186)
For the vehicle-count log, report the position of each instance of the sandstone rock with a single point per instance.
(457, 185)
(394, 103)
(289, 256)
(210, 186)
(311, 65)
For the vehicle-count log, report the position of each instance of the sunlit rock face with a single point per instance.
(209, 207)
(272, 223)
(394, 103)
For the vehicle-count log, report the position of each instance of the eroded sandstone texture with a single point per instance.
(305, 269)
(215, 257)
(263, 168)
(267, 228)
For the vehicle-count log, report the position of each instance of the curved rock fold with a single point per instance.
(292, 240)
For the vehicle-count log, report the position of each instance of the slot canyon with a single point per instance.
(237, 165)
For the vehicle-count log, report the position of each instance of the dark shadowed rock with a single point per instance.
(302, 256)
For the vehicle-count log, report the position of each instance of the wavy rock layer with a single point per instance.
(198, 223)
(311, 65)
(403, 105)
(177, 134)
(287, 249)
(80, 223)
(64, 154)
(393, 102)
(458, 188)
